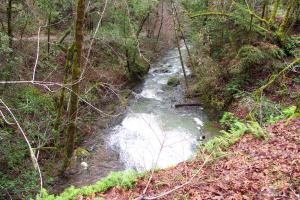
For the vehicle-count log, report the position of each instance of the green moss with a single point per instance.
(139, 69)
(82, 152)
(115, 179)
(173, 81)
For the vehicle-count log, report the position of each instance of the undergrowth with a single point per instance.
(35, 112)
(235, 130)
(125, 179)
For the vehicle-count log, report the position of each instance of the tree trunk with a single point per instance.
(9, 23)
(183, 37)
(142, 25)
(128, 63)
(178, 46)
(263, 13)
(48, 34)
(284, 25)
(60, 106)
(72, 115)
(161, 23)
(125, 32)
(274, 10)
(293, 17)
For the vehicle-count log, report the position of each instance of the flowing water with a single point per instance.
(154, 133)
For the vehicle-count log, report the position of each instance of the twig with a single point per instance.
(37, 53)
(4, 118)
(95, 33)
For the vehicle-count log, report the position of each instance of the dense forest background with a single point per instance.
(66, 64)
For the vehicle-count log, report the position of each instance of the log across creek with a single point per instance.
(187, 104)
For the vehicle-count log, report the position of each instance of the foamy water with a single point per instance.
(154, 133)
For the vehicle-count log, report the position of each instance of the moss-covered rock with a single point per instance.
(173, 81)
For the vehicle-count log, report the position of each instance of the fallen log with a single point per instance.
(187, 104)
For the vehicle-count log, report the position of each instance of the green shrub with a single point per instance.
(138, 70)
(261, 57)
(33, 102)
(250, 55)
(283, 114)
(271, 112)
(234, 88)
(292, 44)
(35, 113)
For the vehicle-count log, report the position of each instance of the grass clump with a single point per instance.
(115, 179)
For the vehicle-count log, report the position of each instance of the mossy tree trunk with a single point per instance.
(125, 32)
(77, 58)
(294, 16)
(274, 10)
(284, 25)
(60, 106)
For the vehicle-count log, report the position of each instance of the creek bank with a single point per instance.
(250, 169)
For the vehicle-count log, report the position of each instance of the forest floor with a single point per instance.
(251, 169)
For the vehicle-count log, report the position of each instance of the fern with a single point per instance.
(236, 130)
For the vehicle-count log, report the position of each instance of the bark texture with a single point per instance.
(72, 115)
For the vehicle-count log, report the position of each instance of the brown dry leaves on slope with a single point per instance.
(253, 169)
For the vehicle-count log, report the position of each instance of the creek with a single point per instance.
(153, 133)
